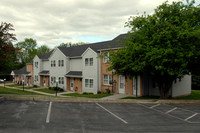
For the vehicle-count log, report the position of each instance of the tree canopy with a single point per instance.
(28, 50)
(70, 44)
(165, 44)
(7, 51)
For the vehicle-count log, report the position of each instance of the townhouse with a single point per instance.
(83, 69)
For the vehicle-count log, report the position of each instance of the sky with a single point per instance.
(52, 22)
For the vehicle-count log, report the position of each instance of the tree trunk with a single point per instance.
(164, 84)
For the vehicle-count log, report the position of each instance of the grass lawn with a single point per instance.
(195, 95)
(47, 90)
(14, 91)
(88, 95)
(14, 85)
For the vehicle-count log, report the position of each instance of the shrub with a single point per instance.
(107, 91)
(54, 88)
(35, 86)
(87, 93)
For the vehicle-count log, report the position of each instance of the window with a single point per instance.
(60, 63)
(106, 57)
(89, 83)
(36, 78)
(88, 61)
(107, 79)
(53, 80)
(36, 64)
(91, 61)
(61, 80)
(53, 63)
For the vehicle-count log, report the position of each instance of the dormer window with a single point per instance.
(36, 64)
(53, 63)
(60, 63)
(88, 61)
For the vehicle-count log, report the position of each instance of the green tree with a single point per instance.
(165, 44)
(43, 49)
(28, 49)
(70, 44)
(7, 51)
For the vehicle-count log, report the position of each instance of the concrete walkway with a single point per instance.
(116, 96)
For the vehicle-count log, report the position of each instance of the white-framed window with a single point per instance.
(88, 61)
(60, 63)
(91, 61)
(53, 63)
(36, 64)
(89, 83)
(61, 80)
(107, 79)
(36, 78)
(106, 57)
(53, 80)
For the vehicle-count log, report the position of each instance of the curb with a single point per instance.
(89, 100)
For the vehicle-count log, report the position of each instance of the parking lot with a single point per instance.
(31, 116)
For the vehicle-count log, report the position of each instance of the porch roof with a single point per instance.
(74, 74)
(44, 72)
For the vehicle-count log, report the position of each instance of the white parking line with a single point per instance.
(49, 113)
(171, 110)
(112, 114)
(154, 106)
(191, 116)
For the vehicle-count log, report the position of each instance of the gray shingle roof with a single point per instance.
(46, 55)
(44, 72)
(74, 73)
(79, 50)
(30, 62)
(21, 71)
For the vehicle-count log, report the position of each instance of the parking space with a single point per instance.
(182, 112)
(29, 116)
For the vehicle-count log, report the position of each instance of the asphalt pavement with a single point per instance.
(60, 117)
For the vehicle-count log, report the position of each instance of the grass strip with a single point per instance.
(15, 91)
(195, 95)
(47, 91)
(88, 95)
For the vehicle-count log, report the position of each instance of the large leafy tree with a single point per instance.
(165, 44)
(43, 49)
(70, 44)
(27, 49)
(7, 51)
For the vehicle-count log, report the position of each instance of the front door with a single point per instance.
(121, 84)
(44, 81)
(72, 84)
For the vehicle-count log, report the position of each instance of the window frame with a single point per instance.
(108, 80)
(106, 57)
(89, 61)
(89, 83)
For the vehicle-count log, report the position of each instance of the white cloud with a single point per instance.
(49, 20)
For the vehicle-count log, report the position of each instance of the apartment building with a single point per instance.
(82, 69)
